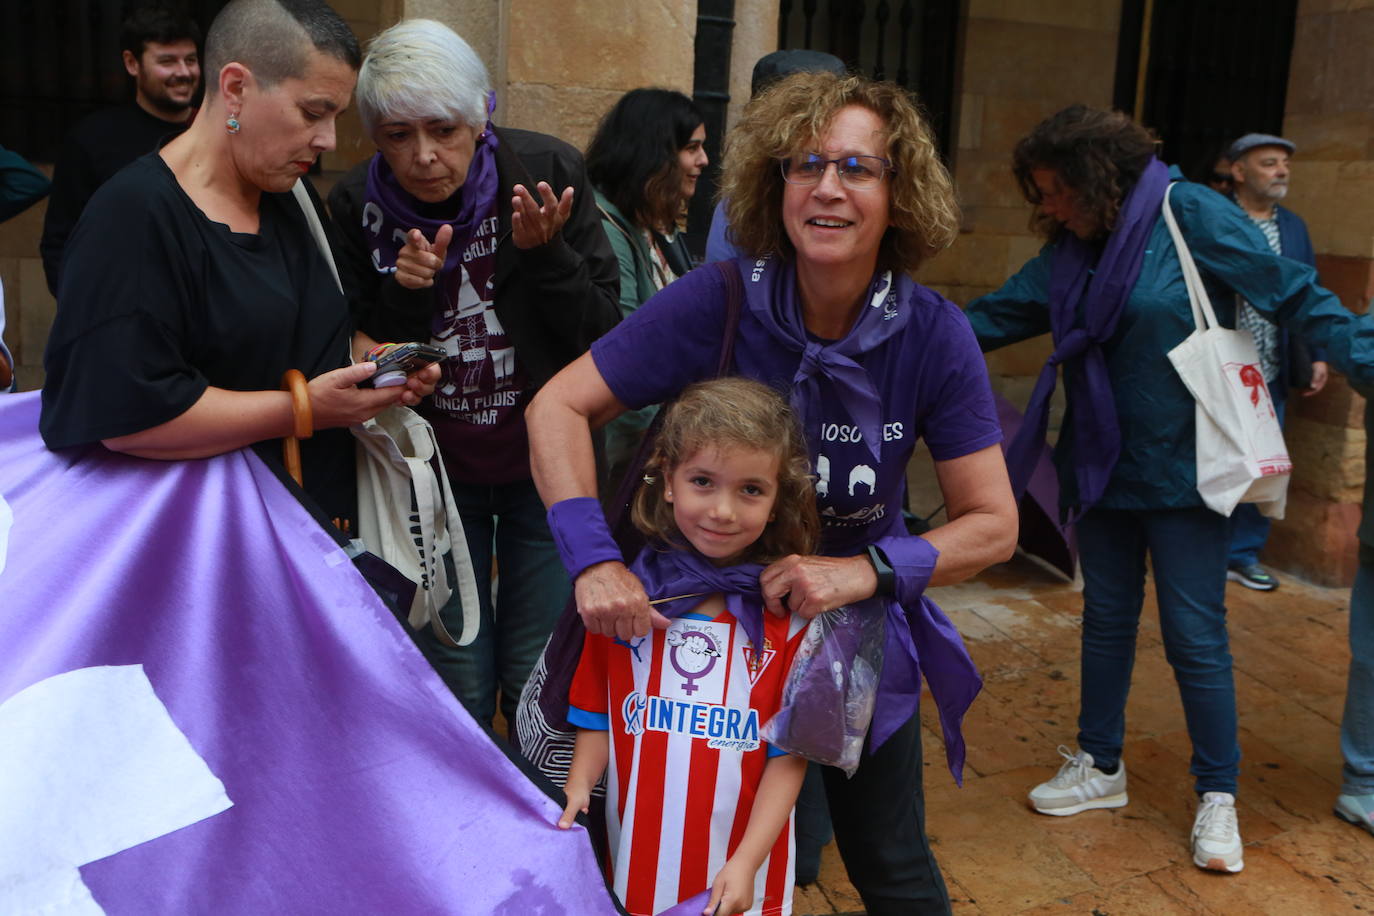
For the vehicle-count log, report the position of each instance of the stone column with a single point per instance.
(756, 34)
(1330, 117)
(568, 62)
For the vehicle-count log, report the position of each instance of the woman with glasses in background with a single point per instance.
(836, 194)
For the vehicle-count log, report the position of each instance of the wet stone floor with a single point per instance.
(1021, 624)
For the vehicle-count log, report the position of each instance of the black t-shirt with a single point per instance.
(158, 302)
(100, 145)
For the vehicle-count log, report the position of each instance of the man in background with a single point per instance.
(161, 54)
(767, 70)
(1259, 179)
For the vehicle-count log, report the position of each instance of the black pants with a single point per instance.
(880, 829)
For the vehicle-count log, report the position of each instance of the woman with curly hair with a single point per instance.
(1109, 286)
(836, 194)
(644, 163)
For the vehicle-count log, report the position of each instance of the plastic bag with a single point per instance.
(827, 700)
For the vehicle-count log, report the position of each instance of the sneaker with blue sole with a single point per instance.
(1357, 809)
(1253, 575)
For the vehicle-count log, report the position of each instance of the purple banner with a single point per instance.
(204, 708)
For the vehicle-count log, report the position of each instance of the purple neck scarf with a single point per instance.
(1103, 291)
(689, 577)
(771, 291)
(389, 212)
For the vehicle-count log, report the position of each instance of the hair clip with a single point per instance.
(650, 479)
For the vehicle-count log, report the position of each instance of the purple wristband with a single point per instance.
(913, 562)
(582, 535)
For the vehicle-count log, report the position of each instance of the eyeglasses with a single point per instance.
(856, 172)
(1220, 178)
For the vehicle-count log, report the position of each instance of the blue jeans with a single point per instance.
(1249, 530)
(1187, 549)
(506, 520)
(1357, 725)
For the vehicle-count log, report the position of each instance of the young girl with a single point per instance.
(694, 797)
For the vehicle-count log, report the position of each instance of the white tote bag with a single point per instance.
(1241, 456)
(406, 511)
(407, 516)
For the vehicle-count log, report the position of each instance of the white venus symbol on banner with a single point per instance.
(93, 765)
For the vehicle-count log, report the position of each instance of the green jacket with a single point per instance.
(631, 248)
(632, 251)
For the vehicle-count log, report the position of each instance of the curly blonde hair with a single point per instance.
(793, 114)
(742, 413)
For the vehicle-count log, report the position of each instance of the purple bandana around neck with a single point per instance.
(389, 211)
(771, 291)
(1103, 290)
(672, 573)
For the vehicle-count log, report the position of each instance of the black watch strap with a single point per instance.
(887, 579)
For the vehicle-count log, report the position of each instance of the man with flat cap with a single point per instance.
(1259, 180)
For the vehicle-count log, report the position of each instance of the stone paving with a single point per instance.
(1021, 624)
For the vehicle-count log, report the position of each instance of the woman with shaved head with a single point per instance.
(192, 281)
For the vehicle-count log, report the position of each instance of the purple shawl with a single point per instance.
(688, 576)
(389, 212)
(1102, 290)
(772, 297)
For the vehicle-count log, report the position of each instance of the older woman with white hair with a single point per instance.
(488, 243)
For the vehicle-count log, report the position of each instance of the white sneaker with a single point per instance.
(1079, 786)
(1216, 838)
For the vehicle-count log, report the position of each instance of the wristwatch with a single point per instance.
(887, 579)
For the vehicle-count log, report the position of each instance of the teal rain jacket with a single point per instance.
(1157, 467)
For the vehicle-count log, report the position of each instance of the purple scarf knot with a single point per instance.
(687, 576)
(1073, 345)
(1079, 333)
(389, 211)
(771, 291)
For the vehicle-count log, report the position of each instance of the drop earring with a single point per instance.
(232, 125)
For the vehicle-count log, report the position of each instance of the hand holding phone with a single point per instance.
(396, 361)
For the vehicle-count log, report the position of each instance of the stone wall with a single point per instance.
(1015, 71)
(567, 61)
(1330, 117)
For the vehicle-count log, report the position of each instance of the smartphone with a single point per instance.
(396, 361)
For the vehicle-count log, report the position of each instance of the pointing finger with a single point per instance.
(417, 238)
(441, 241)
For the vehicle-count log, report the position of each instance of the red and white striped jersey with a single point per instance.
(684, 707)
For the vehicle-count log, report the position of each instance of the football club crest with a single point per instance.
(755, 662)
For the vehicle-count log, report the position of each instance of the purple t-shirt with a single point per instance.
(931, 377)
